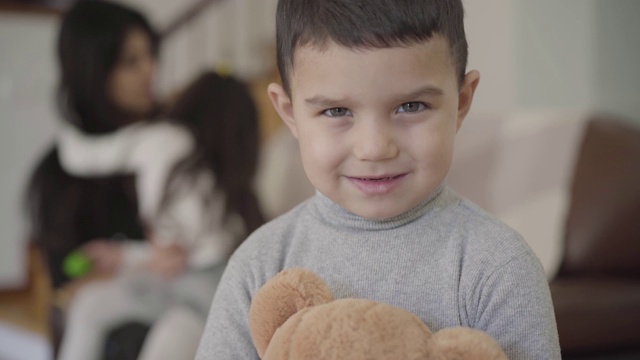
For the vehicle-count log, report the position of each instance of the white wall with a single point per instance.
(532, 54)
(555, 51)
(563, 55)
(27, 120)
(617, 57)
(491, 52)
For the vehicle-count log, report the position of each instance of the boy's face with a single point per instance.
(376, 127)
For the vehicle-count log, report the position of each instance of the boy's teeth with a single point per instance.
(381, 179)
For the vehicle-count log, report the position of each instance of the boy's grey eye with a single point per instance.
(411, 107)
(337, 112)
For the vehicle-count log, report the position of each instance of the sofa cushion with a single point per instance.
(603, 223)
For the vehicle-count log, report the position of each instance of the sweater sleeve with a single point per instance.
(227, 335)
(514, 306)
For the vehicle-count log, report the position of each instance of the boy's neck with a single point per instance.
(341, 217)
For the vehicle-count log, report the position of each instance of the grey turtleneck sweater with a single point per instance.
(446, 261)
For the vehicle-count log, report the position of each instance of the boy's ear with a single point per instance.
(465, 98)
(282, 103)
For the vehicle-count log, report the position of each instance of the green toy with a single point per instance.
(76, 265)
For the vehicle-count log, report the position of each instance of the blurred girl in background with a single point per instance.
(193, 179)
(107, 59)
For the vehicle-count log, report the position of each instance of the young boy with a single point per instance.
(375, 91)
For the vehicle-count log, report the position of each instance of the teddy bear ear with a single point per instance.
(287, 293)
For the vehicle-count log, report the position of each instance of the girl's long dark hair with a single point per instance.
(222, 117)
(89, 45)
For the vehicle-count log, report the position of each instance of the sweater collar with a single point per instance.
(336, 215)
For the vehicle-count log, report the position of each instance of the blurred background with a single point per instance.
(554, 75)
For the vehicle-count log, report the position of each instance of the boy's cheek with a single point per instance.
(323, 150)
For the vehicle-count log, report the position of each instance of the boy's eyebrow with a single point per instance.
(427, 90)
(324, 102)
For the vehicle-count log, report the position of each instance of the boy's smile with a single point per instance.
(376, 126)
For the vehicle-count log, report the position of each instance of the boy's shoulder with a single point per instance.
(264, 253)
(484, 232)
(478, 217)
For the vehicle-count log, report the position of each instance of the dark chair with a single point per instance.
(596, 293)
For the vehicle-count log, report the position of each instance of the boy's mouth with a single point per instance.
(377, 185)
(377, 178)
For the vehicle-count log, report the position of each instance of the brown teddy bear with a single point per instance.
(295, 317)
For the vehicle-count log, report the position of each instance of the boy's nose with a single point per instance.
(374, 142)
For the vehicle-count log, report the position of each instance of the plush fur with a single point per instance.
(294, 317)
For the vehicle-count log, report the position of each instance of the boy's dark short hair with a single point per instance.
(368, 24)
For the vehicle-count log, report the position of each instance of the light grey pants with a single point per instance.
(176, 310)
